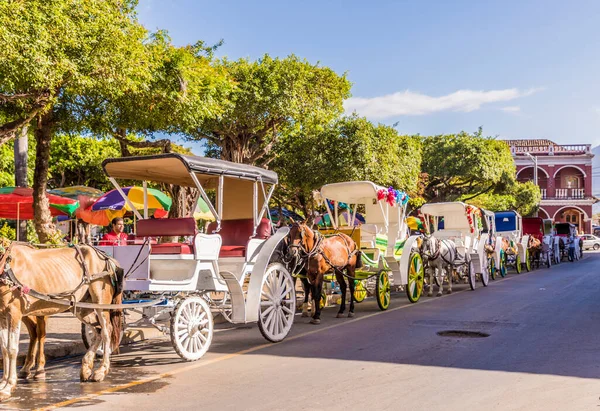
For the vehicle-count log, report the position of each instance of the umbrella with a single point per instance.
(415, 224)
(75, 192)
(289, 214)
(202, 211)
(16, 203)
(115, 202)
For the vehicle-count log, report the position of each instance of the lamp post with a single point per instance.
(535, 173)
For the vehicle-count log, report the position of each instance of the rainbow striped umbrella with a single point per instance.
(157, 200)
(16, 203)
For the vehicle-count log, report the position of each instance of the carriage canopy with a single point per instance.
(457, 216)
(507, 221)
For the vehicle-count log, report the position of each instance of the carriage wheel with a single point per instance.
(518, 265)
(485, 278)
(383, 290)
(472, 275)
(191, 328)
(416, 275)
(492, 268)
(323, 299)
(277, 303)
(360, 292)
(527, 261)
(502, 264)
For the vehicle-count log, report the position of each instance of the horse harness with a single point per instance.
(67, 298)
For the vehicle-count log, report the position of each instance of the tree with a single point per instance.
(466, 166)
(51, 54)
(350, 149)
(271, 98)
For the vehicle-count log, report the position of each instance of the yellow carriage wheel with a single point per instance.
(383, 290)
(416, 275)
(360, 292)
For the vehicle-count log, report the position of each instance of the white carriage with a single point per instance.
(552, 241)
(388, 255)
(460, 223)
(232, 269)
(509, 225)
(493, 245)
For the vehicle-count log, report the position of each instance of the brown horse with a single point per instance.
(535, 248)
(28, 275)
(337, 253)
(36, 327)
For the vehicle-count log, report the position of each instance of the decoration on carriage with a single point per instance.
(392, 196)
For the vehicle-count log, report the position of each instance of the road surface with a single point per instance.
(542, 352)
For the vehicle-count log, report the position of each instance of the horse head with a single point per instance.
(301, 240)
(430, 247)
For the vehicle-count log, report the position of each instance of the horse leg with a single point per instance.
(352, 285)
(13, 327)
(440, 278)
(317, 288)
(40, 372)
(105, 332)
(25, 371)
(450, 272)
(343, 287)
(306, 287)
(4, 345)
(431, 271)
(87, 363)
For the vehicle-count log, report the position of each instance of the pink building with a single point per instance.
(564, 178)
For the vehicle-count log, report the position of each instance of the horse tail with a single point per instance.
(117, 316)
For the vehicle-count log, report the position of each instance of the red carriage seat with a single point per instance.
(236, 233)
(168, 227)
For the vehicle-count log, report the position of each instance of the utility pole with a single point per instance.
(21, 147)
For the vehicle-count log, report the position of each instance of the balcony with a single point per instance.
(549, 149)
(565, 194)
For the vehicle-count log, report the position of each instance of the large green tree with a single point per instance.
(351, 148)
(272, 97)
(52, 53)
(466, 166)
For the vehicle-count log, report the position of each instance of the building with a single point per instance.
(564, 175)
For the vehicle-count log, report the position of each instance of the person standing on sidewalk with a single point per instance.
(116, 236)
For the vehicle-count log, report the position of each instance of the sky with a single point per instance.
(519, 69)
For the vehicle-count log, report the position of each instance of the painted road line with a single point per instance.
(201, 363)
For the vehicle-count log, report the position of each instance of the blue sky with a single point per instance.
(520, 69)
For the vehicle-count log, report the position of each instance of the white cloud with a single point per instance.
(408, 103)
(511, 109)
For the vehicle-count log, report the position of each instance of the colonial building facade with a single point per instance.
(564, 177)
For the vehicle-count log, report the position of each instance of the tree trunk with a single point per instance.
(41, 207)
(21, 146)
(184, 203)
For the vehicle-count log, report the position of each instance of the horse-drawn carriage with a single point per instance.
(233, 268)
(457, 243)
(540, 248)
(567, 233)
(509, 226)
(388, 256)
(493, 245)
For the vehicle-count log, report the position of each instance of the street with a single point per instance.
(541, 352)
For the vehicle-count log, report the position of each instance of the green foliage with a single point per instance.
(271, 98)
(521, 197)
(462, 164)
(352, 148)
(7, 231)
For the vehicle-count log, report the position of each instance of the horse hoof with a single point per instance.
(315, 321)
(24, 375)
(98, 376)
(339, 315)
(350, 315)
(4, 396)
(439, 294)
(40, 376)
(85, 375)
(449, 292)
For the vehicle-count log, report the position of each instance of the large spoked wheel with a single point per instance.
(485, 278)
(502, 269)
(518, 265)
(323, 299)
(416, 275)
(383, 290)
(527, 261)
(492, 267)
(277, 303)
(472, 275)
(360, 292)
(191, 328)
(548, 260)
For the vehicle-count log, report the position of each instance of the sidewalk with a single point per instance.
(64, 337)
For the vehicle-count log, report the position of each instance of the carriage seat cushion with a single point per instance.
(171, 248)
(166, 227)
(232, 251)
(238, 232)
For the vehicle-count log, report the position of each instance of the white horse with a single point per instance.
(439, 256)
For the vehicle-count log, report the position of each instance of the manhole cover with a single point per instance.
(462, 334)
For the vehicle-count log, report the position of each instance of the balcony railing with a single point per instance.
(552, 149)
(565, 194)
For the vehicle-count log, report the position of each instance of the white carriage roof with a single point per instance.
(351, 192)
(443, 209)
(173, 168)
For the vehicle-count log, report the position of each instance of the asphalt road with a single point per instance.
(542, 353)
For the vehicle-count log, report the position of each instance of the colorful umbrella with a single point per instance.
(202, 211)
(16, 203)
(115, 202)
(75, 192)
(415, 224)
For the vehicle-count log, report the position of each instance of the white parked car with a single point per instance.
(590, 241)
